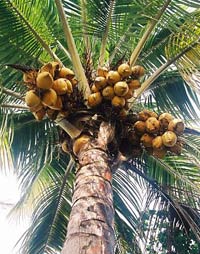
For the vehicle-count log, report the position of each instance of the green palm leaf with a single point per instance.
(188, 64)
(52, 205)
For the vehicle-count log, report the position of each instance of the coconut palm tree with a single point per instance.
(90, 194)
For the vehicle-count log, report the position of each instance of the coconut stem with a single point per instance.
(63, 49)
(78, 68)
(37, 36)
(105, 36)
(11, 93)
(143, 40)
(70, 129)
(14, 106)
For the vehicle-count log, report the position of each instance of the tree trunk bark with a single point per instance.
(91, 224)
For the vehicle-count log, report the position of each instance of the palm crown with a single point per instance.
(163, 37)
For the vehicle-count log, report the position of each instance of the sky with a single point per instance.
(10, 228)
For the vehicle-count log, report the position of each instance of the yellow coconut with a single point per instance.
(100, 82)
(32, 99)
(58, 105)
(94, 89)
(169, 138)
(118, 102)
(44, 80)
(65, 147)
(39, 115)
(146, 140)
(51, 67)
(145, 114)
(113, 77)
(177, 126)
(134, 84)
(94, 99)
(36, 108)
(164, 119)
(108, 93)
(49, 98)
(62, 86)
(69, 87)
(74, 82)
(66, 73)
(79, 143)
(138, 71)
(140, 127)
(157, 143)
(153, 114)
(124, 70)
(102, 72)
(129, 94)
(121, 88)
(152, 125)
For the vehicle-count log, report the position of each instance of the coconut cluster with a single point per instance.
(116, 86)
(146, 130)
(49, 90)
(53, 89)
(157, 133)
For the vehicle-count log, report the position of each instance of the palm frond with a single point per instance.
(108, 14)
(14, 18)
(78, 68)
(146, 34)
(162, 195)
(6, 159)
(128, 203)
(26, 35)
(161, 227)
(170, 94)
(50, 216)
(188, 64)
(84, 17)
(33, 146)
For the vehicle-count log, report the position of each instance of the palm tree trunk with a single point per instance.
(91, 224)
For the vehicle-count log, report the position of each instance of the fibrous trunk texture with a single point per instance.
(90, 228)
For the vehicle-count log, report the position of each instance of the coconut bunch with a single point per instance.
(49, 90)
(116, 86)
(157, 134)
